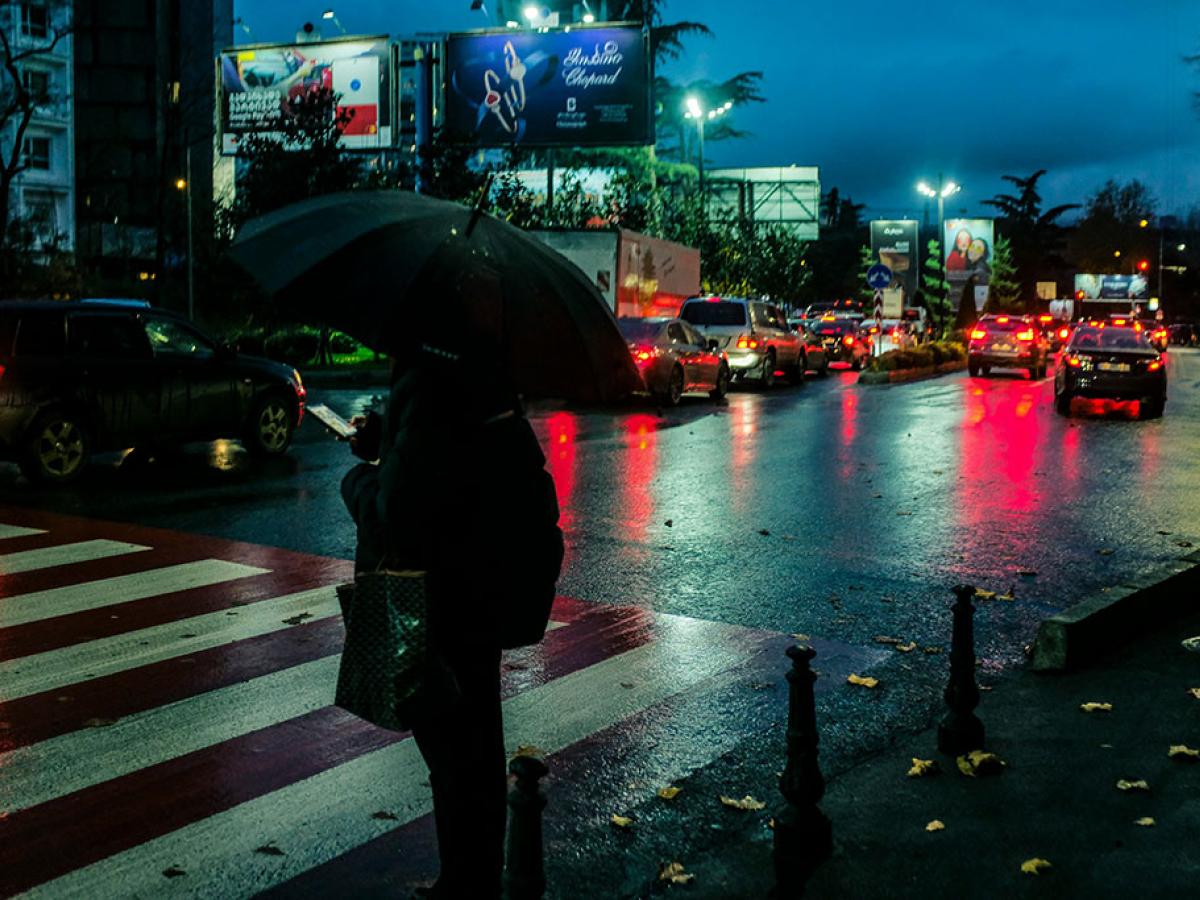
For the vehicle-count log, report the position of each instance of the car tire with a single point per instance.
(269, 427)
(973, 369)
(674, 390)
(768, 373)
(56, 449)
(722, 385)
(798, 370)
(1151, 408)
(1062, 403)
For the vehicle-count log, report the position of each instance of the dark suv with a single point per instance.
(88, 376)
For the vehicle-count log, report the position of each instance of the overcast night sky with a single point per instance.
(880, 94)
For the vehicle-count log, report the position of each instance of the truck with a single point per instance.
(640, 276)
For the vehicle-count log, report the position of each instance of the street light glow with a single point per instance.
(693, 108)
(1143, 223)
(532, 13)
(926, 190)
(1181, 247)
(951, 188)
(180, 184)
(588, 18)
(328, 14)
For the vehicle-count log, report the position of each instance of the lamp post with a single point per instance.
(185, 184)
(331, 16)
(694, 110)
(944, 189)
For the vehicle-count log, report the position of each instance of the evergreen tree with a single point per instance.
(1004, 293)
(935, 288)
(866, 259)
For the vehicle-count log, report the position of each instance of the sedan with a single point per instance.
(843, 341)
(674, 359)
(1012, 342)
(1111, 362)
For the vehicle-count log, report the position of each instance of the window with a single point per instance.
(706, 312)
(171, 339)
(35, 19)
(40, 334)
(37, 82)
(112, 335)
(675, 333)
(37, 153)
(41, 214)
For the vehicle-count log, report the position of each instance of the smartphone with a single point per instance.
(331, 420)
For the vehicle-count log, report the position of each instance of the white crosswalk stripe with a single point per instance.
(64, 555)
(11, 531)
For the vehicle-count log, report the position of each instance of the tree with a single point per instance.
(1110, 237)
(19, 98)
(1004, 292)
(1035, 235)
(934, 287)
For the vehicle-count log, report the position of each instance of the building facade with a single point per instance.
(42, 195)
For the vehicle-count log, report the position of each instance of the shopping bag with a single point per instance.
(386, 654)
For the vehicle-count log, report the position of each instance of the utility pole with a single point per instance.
(191, 244)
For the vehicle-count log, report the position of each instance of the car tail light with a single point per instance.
(1003, 320)
(978, 334)
(1045, 319)
(1026, 335)
(1064, 332)
(848, 340)
(1154, 366)
(1074, 362)
(747, 343)
(1118, 321)
(645, 354)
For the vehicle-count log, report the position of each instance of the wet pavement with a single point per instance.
(699, 540)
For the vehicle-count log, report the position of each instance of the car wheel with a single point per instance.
(56, 449)
(1151, 408)
(798, 370)
(768, 373)
(1062, 404)
(973, 369)
(722, 385)
(270, 426)
(674, 392)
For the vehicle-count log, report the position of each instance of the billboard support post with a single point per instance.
(550, 181)
(191, 245)
(423, 57)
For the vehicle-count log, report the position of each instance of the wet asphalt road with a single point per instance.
(833, 510)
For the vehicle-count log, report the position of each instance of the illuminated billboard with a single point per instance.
(258, 81)
(1112, 287)
(574, 87)
(895, 243)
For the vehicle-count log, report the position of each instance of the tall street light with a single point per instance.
(331, 16)
(695, 110)
(943, 190)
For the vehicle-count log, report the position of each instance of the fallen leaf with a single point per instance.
(1191, 644)
(1106, 551)
(529, 750)
(746, 803)
(296, 620)
(385, 816)
(621, 821)
(674, 873)
(627, 685)
(269, 850)
(863, 681)
(884, 639)
(1145, 822)
(804, 638)
(1035, 866)
(936, 825)
(922, 767)
(1160, 531)
(1008, 598)
(1183, 543)
(1138, 785)
(877, 496)
(980, 762)
(907, 648)
(669, 793)
(903, 512)
(1093, 706)
(1183, 752)
(1195, 692)
(984, 595)
(173, 872)
(931, 650)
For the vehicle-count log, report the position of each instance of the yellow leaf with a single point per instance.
(669, 793)
(802, 638)
(863, 681)
(1195, 692)
(980, 762)
(884, 639)
(936, 825)
(907, 648)
(530, 750)
(931, 650)
(1183, 752)
(747, 802)
(1138, 785)
(674, 873)
(621, 821)
(1145, 822)
(984, 595)
(1093, 706)
(922, 767)
(1005, 597)
(1034, 866)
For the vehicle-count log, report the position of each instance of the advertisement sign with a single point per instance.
(968, 247)
(258, 81)
(1112, 287)
(571, 88)
(895, 243)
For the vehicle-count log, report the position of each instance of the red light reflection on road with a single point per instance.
(639, 462)
(849, 417)
(999, 453)
(743, 445)
(560, 456)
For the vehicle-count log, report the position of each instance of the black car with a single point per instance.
(1113, 362)
(88, 376)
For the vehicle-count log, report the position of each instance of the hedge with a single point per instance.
(923, 357)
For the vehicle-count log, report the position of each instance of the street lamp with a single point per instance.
(943, 190)
(329, 15)
(694, 110)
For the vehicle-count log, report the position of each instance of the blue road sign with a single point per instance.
(879, 276)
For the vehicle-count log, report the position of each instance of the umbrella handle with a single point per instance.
(478, 210)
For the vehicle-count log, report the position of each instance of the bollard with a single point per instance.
(803, 834)
(524, 874)
(961, 731)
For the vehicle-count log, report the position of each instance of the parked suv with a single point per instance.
(88, 376)
(1012, 342)
(754, 334)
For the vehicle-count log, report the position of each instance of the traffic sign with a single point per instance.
(879, 276)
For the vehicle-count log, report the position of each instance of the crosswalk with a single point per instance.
(167, 727)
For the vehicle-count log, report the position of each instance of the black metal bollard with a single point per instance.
(525, 875)
(961, 731)
(803, 834)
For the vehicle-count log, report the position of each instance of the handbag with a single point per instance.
(386, 656)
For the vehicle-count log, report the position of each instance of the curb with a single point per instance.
(353, 378)
(901, 376)
(1110, 619)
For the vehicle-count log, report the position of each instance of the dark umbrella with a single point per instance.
(393, 269)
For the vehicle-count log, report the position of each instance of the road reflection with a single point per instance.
(638, 464)
(744, 412)
(562, 430)
(1001, 448)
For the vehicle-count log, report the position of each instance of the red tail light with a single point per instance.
(1154, 366)
(1064, 332)
(747, 343)
(978, 334)
(848, 340)
(1118, 321)
(645, 354)
(1025, 335)
(1045, 319)
(1003, 320)
(1074, 362)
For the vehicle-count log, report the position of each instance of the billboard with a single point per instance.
(258, 81)
(1112, 287)
(575, 87)
(896, 244)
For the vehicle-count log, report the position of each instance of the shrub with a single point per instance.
(342, 343)
(295, 346)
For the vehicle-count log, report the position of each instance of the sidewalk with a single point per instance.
(1056, 800)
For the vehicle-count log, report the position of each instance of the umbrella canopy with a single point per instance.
(393, 269)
